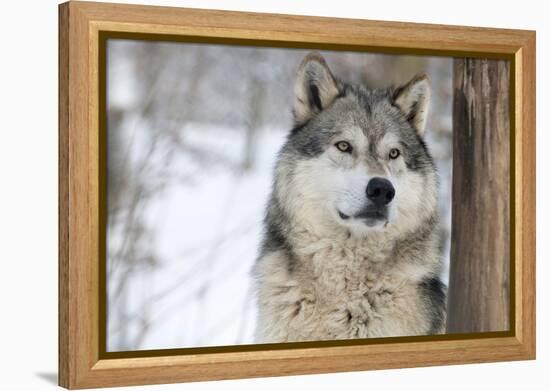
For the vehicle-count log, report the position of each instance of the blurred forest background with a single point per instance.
(193, 131)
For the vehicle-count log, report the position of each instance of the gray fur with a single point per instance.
(320, 277)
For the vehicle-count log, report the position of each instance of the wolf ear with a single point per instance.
(413, 99)
(314, 89)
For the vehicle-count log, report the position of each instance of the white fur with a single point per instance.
(346, 290)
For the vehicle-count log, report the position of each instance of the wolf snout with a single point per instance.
(380, 191)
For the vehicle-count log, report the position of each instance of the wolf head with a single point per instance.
(356, 159)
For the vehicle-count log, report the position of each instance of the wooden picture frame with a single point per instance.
(83, 29)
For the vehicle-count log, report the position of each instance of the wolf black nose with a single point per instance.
(380, 191)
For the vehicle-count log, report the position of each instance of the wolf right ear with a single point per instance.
(314, 89)
(414, 99)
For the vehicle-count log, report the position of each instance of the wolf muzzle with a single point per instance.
(380, 191)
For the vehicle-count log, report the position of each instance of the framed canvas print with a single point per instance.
(248, 195)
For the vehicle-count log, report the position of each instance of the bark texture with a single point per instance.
(479, 284)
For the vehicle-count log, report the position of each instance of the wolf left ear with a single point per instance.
(413, 99)
(314, 89)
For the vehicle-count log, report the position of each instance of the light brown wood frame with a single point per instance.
(83, 362)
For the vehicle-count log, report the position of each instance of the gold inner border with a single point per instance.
(104, 36)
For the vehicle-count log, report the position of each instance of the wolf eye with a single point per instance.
(343, 146)
(394, 153)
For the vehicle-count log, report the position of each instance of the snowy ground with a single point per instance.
(209, 232)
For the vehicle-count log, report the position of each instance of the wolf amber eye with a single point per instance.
(394, 153)
(343, 146)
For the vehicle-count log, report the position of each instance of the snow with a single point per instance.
(208, 233)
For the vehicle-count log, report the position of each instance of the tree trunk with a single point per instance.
(479, 283)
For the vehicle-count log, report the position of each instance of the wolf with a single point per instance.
(351, 233)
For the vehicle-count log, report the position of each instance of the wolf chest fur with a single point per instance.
(351, 244)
